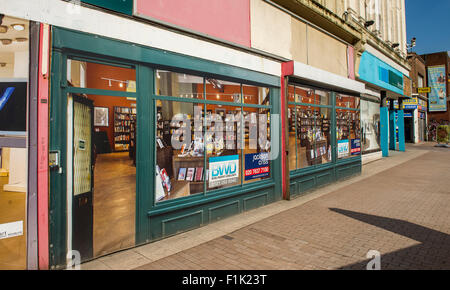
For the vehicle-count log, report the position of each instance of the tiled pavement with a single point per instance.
(399, 206)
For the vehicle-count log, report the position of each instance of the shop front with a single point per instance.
(148, 143)
(323, 131)
(391, 80)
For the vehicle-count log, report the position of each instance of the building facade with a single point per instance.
(416, 108)
(150, 118)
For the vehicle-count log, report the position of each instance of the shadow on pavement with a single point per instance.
(432, 253)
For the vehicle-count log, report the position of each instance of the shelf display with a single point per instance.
(124, 128)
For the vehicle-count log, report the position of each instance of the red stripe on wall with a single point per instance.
(287, 69)
(42, 154)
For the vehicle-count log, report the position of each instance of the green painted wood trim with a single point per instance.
(145, 153)
(78, 41)
(200, 199)
(349, 109)
(349, 160)
(121, 6)
(57, 191)
(99, 92)
(311, 170)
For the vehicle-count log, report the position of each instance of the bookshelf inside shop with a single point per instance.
(124, 128)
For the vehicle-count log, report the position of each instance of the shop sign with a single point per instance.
(438, 95)
(122, 6)
(10, 230)
(256, 165)
(424, 90)
(355, 146)
(343, 149)
(410, 104)
(223, 170)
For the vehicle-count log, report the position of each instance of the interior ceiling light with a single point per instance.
(18, 27)
(2, 64)
(21, 39)
(6, 41)
(3, 29)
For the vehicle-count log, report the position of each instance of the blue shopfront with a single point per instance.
(394, 87)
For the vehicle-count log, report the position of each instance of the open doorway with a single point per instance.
(101, 159)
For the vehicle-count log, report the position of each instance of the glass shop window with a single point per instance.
(345, 101)
(223, 142)
(370, 126)
(91, 75)
(180, 160)
(256, 95)
(222, 91)
(348, 133)
(178, 85)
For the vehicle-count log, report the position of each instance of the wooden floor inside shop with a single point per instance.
(13, 251)
(114, 203)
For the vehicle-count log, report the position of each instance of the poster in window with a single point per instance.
(223, 170)
(356, 146)
(257, 165)
(343, 149)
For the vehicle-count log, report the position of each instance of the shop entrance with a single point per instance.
(409, 129)
(101, 159)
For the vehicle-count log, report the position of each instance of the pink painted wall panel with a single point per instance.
(225, 19)
(351, 62)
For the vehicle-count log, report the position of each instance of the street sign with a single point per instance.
(424, 90)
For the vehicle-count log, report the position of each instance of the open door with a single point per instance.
(82, 203)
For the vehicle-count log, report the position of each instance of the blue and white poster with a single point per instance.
(257, 165)
(438, 95)
(355, 146)
(343, 148)
(223, 170)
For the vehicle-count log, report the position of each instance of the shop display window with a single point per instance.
(309, 127)
(178, 85)
(92, 75)
(256, 95)
(345, 101)
(370, 126)
(211, 142)
(14, 99)
(348, 133)
(222, 91)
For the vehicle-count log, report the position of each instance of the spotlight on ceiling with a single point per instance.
(3, 29)
(369, 23)
(395, 45)
(2, 64)
(21, 39)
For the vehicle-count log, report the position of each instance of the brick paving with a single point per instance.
(403, 212)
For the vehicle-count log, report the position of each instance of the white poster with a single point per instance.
(223, 170)
(10, 230)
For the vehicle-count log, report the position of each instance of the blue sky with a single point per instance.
(429, 22)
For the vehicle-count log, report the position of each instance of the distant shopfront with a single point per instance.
(393, 86)
(323, 127)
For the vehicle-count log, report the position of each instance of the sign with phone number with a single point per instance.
(256, 165)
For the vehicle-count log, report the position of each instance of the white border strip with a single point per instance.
(63, 14)
(310, 73)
